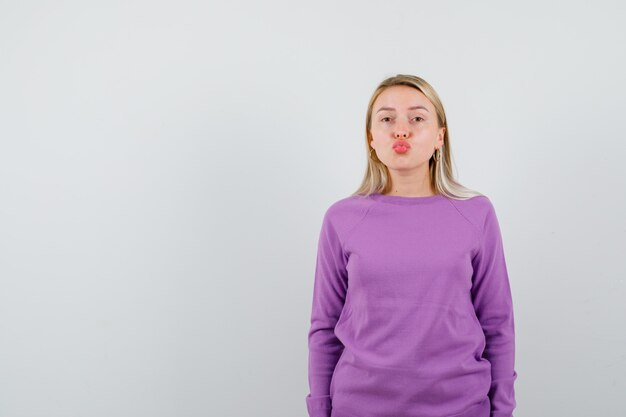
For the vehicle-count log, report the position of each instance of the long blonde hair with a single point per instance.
(377, 178)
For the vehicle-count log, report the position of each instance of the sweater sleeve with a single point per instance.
(329, 292)
(491, 297)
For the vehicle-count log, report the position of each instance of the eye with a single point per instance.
(418, 118)
(383, 119)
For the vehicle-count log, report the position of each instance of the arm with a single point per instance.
(329, 291)
(491, 296)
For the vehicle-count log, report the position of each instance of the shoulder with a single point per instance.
(347, 212)
(477, 210)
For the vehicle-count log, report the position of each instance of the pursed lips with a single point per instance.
(401, 144)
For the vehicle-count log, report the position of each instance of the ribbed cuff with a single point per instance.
(318, 406)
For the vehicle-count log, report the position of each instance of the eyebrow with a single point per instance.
(410, 108)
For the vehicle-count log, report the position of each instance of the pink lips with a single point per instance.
(401, 146)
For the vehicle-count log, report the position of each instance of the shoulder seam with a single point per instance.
(479, 230)
(349, 232)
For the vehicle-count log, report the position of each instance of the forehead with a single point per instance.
(401, 97)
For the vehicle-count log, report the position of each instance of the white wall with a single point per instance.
(164, 167)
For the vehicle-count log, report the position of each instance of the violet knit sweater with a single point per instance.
(412, 314)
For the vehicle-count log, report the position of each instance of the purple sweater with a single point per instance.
(412, 314)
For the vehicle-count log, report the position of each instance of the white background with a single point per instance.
(164, 169)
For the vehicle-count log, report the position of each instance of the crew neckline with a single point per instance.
(403, 200)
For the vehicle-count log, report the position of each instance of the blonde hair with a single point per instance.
(377, 178)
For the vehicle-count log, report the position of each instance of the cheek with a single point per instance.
(378, 135)
(376, 130)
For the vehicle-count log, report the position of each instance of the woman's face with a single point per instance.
(402, 115)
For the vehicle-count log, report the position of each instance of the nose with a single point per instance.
(401, 134)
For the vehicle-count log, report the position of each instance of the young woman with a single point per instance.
(412, 314)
